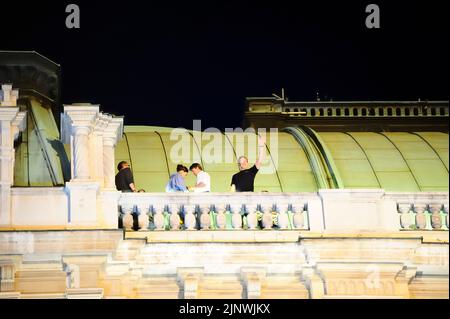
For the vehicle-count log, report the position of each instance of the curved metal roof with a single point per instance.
(307, 160)
(149, 153)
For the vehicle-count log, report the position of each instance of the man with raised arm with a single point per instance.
(244, 180)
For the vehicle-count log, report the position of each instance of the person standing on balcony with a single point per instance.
(124, 178)
(245, 179)
(176, 181)
(203, 183)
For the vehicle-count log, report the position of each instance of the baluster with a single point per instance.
(143, 221)
(252, 218)
(127, 209)
(405, 216)
(189, 217)
(436, 218)
(158, 217)
(236, 217)
(267, 219)
(220, 217)
(445, 208)
(174, 219)
(421, 218)
(282, 217)
(205, 218)
(298, 216)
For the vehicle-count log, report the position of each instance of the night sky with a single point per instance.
(167, 63)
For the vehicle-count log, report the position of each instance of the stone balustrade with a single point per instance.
(216, 211)
(423, 215)
(375, 210)
(422, 211)
(333, 109)
(336, 210)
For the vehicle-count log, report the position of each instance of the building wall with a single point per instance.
(292, 264)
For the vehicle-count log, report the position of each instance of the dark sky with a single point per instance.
(167, 63)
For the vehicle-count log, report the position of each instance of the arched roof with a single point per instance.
(306, 160)
(149, 153)
(395, 161)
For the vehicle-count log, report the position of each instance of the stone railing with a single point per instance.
(423, 212)
(328, 210)
(332, 109)
(421, 216)
(215, 211)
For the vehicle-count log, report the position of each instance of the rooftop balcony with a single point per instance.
(326, 210)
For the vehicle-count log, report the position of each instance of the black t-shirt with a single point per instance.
(244, 179)
(123, 179)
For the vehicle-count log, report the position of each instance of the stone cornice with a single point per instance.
(8, 113)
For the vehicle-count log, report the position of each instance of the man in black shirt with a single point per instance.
(244, 180)
(124, 178)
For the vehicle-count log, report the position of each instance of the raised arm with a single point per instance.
(261, 151)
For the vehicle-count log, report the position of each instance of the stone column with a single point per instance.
(112, 134)
(77, 124)
(92, 136)
(96, 149)
(110, 196)
(108, 163)
(80, 153)
(11, 122)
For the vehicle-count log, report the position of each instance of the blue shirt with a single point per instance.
(176, 184)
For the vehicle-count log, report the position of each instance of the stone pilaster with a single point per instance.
(78, 122)
(96, 148)
(112, 134)
(11, 123)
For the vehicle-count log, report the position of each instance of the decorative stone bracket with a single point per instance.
(253, 279)
(189, 278)
(7, 274)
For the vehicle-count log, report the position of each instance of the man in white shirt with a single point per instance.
(203, 183)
